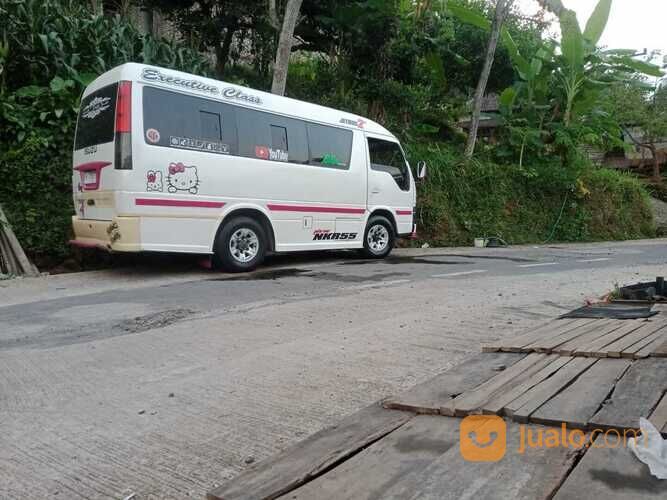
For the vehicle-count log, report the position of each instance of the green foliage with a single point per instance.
(460, 201)
(50, 51)
(598, 22)
(409, 64)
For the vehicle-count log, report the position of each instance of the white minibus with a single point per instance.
(166, 161)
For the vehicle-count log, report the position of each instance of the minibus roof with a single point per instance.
(234, 94)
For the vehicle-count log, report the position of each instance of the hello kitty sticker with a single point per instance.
(154, 181)
(182, 178)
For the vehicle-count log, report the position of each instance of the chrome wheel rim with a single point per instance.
(244, 245)
(378, 238)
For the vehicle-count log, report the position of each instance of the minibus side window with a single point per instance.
(279, 138)
(266, 136)
(210, 125)
(181, 121)
(329, 146)
(386, 156)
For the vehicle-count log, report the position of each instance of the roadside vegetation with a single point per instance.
(411, 65)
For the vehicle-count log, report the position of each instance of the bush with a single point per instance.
(547, 202)
(49, 51)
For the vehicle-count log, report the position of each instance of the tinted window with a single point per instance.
(186, 122)
(387, 157)
(329, 146)
(279, 138)
(97, 118)
(210, 125)
(272, 137)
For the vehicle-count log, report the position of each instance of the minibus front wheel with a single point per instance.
(379, 237)
(241, 245)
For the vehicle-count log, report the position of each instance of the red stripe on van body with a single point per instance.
(327, 210)
(161, 202)
(403, 212)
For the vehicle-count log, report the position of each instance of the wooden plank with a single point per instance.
(514, 344)
(473, 401)
(653, 340)
(533, 475)
(660, 351)
(551, 343)
(521, 408)
(649, 349)
(635, 396)
(576, 404)
(611, 474)
(428, 397)
(496, 405)
(26, 267)
(290, 469)
(596, 347)
(12, 265)
(659, 415)
(571, 346)
(615, 349)
(401, 454)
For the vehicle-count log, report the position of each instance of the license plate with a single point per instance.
(90, 177)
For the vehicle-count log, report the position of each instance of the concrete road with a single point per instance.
(163, 382)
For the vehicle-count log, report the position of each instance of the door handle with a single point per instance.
(375, 191)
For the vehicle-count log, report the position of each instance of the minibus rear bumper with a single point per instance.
(122, 234)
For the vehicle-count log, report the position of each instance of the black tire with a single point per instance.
(375, 226)
(232, 258)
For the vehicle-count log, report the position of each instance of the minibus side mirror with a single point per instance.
(421, 170)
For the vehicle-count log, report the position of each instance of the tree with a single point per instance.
(502, 9)
(285, 42)
(215, 25)
(642, 111)
(554, 6)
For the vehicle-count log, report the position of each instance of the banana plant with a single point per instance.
(577, 68)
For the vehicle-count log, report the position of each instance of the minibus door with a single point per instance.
(389, 180)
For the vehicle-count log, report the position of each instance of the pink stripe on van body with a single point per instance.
(168, 202)
(327, 210)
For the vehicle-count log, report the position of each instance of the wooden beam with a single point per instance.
(576, 404)
(596, 347)
(611, 473)
(523, 407)
(635, 396)
(472, 402)
(313, 456)
(25, 267)
(427, 398)
(659, 415)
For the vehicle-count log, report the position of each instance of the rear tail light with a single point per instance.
(123, 147)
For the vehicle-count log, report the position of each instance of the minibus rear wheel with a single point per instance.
(379, 238)
(241, 245)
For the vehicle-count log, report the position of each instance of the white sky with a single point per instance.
(633, 24)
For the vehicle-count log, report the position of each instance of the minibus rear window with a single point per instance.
(97, 118)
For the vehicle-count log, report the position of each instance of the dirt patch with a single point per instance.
(152, 321)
